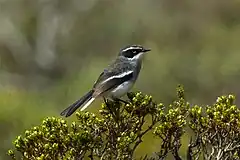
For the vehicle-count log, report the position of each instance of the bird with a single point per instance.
(115, 80)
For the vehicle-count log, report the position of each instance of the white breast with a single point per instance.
(121, 90)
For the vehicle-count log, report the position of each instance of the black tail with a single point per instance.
(72, 108)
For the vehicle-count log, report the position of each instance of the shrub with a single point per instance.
(119, 129)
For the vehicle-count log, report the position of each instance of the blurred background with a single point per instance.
(52, 51)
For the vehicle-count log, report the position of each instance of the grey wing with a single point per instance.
(113, 76)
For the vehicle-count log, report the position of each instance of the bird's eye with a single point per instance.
(134, 51)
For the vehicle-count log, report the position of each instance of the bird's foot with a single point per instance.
(120, 100)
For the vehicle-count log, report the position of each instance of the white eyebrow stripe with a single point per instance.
(118, 76)
(129, 48)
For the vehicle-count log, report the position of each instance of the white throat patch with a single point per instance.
(139, 56)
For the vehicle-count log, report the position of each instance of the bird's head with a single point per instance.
(133, 52)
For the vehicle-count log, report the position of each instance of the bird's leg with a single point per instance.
(105, 100)
(119, 110)
(107, 105)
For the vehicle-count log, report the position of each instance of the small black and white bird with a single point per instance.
(115, 81)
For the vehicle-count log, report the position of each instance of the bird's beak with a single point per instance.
(146, 50)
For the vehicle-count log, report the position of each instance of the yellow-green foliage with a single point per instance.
(216, 127)
(119, 129)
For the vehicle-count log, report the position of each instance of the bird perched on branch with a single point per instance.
(115, 81)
